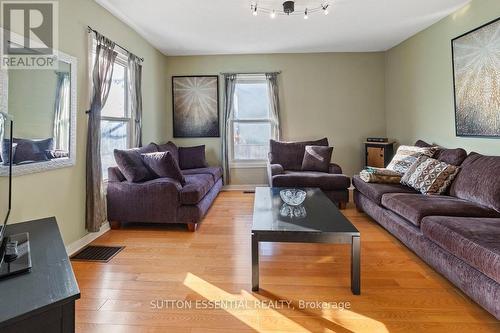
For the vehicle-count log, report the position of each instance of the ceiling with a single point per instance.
(200, 27)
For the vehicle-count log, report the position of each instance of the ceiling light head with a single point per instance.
(288, 7)
(305, 15)
(325, 9)
(273, 14)
(254, 9)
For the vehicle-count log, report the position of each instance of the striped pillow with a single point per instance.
(429, 176)
(407, 155)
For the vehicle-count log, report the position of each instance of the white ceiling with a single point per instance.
(198, 27)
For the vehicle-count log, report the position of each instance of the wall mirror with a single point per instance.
(42, 103)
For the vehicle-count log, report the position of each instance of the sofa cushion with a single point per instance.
(192, 157)
(216, 172)
(171, 147)
(324, 181)
(196, 187)
(163, 165)
(31, 150)
(453, 156)
(375, 191)
(474, 240)
(429, 175)
(414, 207)
(407, 155)
(150, 148)
(317, 158)
(291, 154)
(479, 181)
(131, 165)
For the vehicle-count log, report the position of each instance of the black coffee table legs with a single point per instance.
(255, 263)
(355, 264)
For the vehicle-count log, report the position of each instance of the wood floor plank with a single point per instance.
(167, 263)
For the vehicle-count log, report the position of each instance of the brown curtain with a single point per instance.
(135, 92)
(95, 214)
(274, 103)
(230, 86)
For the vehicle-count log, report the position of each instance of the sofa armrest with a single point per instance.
(152, 201)
(335, 169)
(273, 170)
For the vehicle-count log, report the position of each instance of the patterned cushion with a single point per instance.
(429, 176)
(407, 155)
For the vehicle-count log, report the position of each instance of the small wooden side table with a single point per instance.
(378, 154)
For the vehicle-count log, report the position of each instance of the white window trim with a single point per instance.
(247, 164)
(122, 59)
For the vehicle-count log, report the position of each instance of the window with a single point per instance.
(116, 121)
(252, 126)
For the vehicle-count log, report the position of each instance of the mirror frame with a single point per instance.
(19, 170)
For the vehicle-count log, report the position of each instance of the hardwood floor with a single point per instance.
(131, 293)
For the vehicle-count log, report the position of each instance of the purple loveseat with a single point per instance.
(163, 200)
(284, 169)
(458, 234)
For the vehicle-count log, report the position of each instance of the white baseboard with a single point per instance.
(242, 187)
(85, 240)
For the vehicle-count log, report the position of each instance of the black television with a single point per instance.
(15, 255)
(6, 183)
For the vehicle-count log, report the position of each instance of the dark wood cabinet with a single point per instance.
(43, 300)
(378, 154)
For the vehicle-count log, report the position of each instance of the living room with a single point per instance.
(344, 70)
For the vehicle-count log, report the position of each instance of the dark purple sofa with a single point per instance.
(284, 170)
(458, 234)
(163, 200)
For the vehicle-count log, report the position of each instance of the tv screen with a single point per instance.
(6, 153)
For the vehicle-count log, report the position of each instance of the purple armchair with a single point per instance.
(284, 169)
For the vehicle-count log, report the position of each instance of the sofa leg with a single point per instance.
(359, 209)
(115, 225)
(342, 205)
(192, 226)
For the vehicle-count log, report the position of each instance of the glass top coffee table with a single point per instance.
(316, 220)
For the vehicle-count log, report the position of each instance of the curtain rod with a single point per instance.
(121, 47)
(250, 73)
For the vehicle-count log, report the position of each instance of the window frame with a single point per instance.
(122, 60)
(248, 163)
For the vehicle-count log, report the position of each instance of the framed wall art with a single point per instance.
(195, 106)
(476, 81)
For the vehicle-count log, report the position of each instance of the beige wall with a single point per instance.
(419, 82)
(337, 95)
(61, 193)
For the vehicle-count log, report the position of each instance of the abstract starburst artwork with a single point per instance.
(476, 70)
(195, 106)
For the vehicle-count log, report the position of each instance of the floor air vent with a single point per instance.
(97, 253)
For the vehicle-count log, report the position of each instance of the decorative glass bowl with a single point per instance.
(297, 212)
(293, 197)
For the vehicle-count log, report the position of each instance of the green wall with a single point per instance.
(405, 93)
(419, 82)
(337, 95)
(61, 192)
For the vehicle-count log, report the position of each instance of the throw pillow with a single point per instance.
(163, 165)
(192, 157)
(429, 176)
(32, 150)
(172, 148)
(317, 158)
(407, 155)
(130, 163)
(291, 154)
